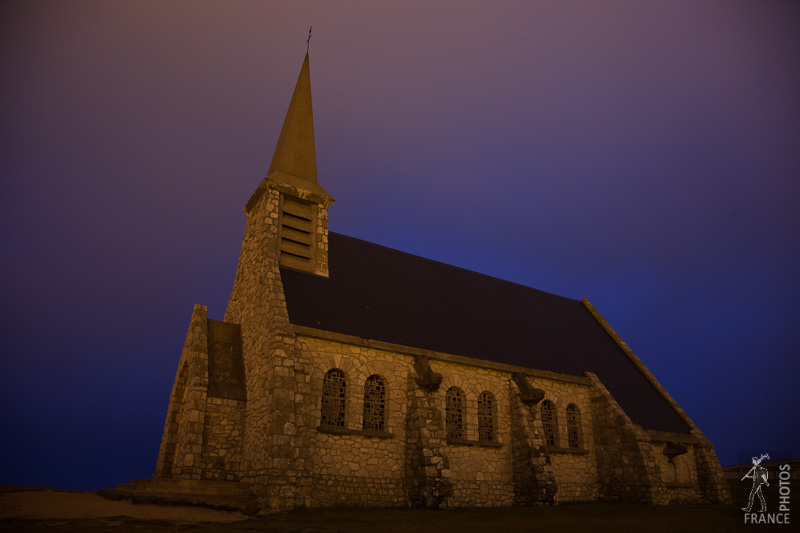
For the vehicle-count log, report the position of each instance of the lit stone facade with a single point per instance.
(312, 417)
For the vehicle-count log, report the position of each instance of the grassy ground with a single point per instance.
(601, 517)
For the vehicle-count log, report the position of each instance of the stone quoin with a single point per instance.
(346, 373)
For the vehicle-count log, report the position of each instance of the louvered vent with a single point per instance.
(297, 234)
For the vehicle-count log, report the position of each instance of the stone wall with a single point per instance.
(482, 472)
(481, 476)
(575, 467)
(576, 474)
(678, 474)
(353, 466)
(275, 450)
(171, 435)
(714, 487)
(277, 444)
(222, 439)
(181, 449)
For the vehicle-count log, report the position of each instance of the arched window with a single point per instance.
(334, 389)
(549, 423)
(486, 416)
(374, 403)
(573, 425)
(454, 413)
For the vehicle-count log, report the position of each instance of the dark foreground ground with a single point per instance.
(611, 517)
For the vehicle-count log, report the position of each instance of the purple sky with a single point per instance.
(644, 155)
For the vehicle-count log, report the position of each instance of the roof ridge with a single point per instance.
(457, 267)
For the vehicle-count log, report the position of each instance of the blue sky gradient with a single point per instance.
(644, 155)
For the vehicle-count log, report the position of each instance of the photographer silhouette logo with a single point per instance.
(759, 474)
(760, 477)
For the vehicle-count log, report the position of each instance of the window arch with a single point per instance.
(573, 425)
(549, 423)
(334, 390)
(374, 403)
(454, 413)
(486, 416)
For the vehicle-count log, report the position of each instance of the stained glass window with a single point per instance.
(374, 403)
(549, 423)
(334, 389)
(486, 416)
(454, 413)
(573, 425)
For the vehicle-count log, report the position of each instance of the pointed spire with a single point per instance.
(295, 153)
(293, 169)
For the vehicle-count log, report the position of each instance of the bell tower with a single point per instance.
(287, 227)
(302, 203)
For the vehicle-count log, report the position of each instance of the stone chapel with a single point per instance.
(350, 374)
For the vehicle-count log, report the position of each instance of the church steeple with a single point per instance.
(295, 153)
(293, 190)
(293, 169)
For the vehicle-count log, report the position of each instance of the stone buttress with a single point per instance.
(204, 426)
(428, 482)
(534, 478)
(671, 467)
(181, 446)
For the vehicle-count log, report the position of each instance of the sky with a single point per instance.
(642, 154)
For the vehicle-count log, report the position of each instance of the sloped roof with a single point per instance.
(378, 293)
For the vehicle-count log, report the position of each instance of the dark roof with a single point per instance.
(383, 294)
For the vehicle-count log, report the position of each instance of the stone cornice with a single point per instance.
(291, 185)
(559, 449)
(455, 441)
(336, 430)
(664, 436)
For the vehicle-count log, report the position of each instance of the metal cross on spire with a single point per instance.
(308, 41)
